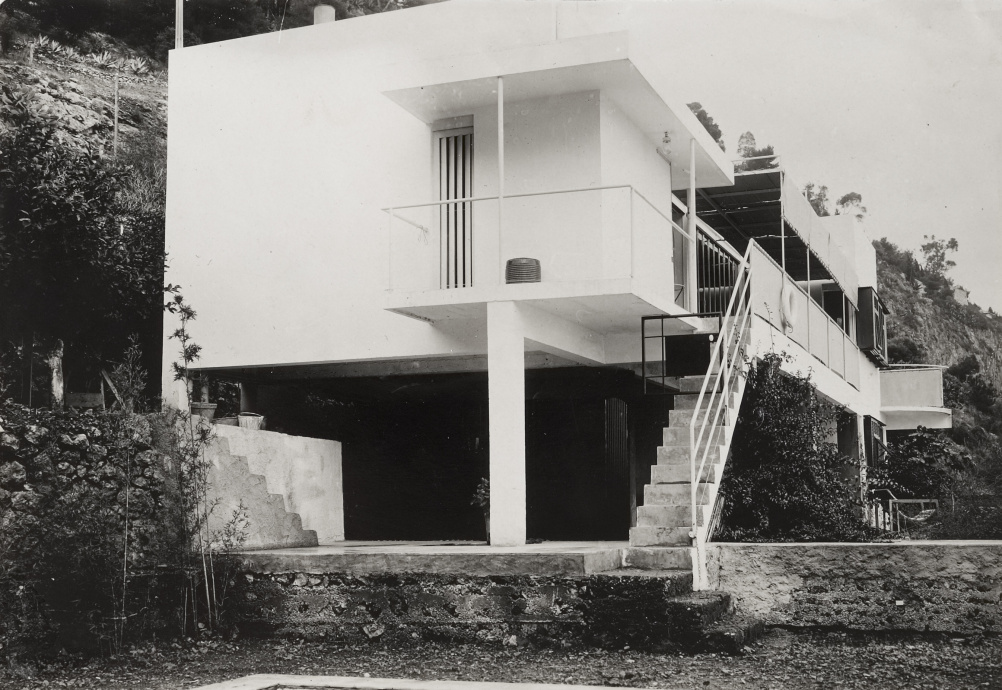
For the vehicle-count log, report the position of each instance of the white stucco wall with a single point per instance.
(282, 150)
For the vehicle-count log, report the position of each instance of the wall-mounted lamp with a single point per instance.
(665, 149)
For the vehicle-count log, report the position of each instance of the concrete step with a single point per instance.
(679, 455)
(659, 536)
(671, 494)
(681, 473)
(679, 436)
(658, 558)
(232, 483)
(671, 516)
(685, 402)
(700, 611)
(692, 384)
(732, 634)
(679, 418)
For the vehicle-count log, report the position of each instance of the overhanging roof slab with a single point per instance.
(446, 88)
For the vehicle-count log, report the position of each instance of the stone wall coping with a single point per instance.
(857, 545)
(278, 681)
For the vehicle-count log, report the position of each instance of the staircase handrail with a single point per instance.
(738, 308)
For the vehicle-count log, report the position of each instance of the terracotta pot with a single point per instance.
(204, 410)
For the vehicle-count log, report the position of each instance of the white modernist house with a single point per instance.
(345, 202)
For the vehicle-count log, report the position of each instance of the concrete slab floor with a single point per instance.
(291, 682)
(444, 557)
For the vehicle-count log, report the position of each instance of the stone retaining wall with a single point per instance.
(923, 586)
(603, 610)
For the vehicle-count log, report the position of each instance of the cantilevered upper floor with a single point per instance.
(325, 181)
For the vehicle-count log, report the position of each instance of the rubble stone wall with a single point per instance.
(603, 610)
(921, 586)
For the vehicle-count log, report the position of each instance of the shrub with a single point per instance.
(784, 479)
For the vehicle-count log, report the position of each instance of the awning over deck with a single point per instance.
(765, 205)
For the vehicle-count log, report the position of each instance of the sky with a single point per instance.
(898, 100)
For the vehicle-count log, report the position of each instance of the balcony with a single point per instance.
(789, 309)
(608, 256)
(912, 396)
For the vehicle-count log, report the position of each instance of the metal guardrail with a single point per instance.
(394, 213)
(726, 357)
(893, 518)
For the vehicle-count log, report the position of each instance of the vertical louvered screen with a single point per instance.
(617, 469)
(455, 165)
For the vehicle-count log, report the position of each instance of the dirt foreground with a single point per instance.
(779, 660)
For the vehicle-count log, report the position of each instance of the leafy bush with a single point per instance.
(784, 479)
(924, 464)
(904, 350)
(81, 250)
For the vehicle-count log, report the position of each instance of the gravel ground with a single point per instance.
(779, 660)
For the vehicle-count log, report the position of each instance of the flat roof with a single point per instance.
(444, 88)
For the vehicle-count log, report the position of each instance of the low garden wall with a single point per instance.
(603, 610)
(923, 586)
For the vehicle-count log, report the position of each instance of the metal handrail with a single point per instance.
(675, 202)
(737, 309)
(393, 211)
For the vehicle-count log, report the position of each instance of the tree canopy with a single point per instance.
(149, 24)
(76, 264)
(707, 121)
(748, 148)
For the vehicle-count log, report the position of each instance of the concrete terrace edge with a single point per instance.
(277, 681)
(477, 564)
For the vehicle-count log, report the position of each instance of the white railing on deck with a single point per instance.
(651, 240)
(725, 362)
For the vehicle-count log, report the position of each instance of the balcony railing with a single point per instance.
(911, 386)
(788, 308)
(586, 234)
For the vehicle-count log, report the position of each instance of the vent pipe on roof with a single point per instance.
(323, 14)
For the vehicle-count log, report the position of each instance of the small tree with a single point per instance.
(935, 253)
(851, 204)
(747, 148)
(817, 197)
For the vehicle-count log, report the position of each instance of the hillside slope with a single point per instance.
(78, 96)
(946, 330)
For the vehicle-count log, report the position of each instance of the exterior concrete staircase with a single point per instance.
(663, 535)
(232, 484)
(675, 521)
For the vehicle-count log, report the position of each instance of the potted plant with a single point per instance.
(482, 499)
(205, 410)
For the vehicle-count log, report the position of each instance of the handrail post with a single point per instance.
(389, 250)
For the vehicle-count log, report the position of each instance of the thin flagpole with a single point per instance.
(179, 24)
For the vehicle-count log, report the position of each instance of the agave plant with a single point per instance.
(69, 52)
(138, 65)
(102, 59)
(44, 42)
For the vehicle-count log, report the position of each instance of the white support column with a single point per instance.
(500, 178)
(691, 254)
(506, 396)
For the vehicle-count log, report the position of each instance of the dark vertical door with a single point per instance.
(617, 469)
(455, 178)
